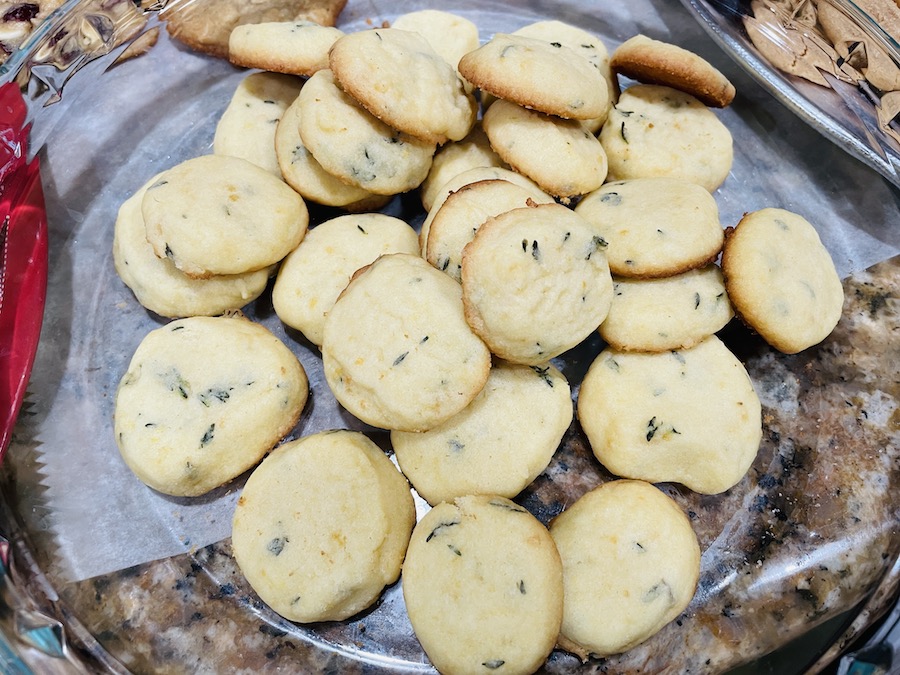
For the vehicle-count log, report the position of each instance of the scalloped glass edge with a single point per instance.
(865, 140)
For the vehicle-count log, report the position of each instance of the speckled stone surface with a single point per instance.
(807, 534)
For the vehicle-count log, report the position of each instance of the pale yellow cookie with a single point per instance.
(450, 35)
(657, 315)
(247, 127)
(782, 279)
(655, 227)
(203, 400)
(562, 156)
(482, 583)
(216, 214)
(462, 213)
(656, 131)
(322, 525)
(690, 416)
(159, 286)
(295, 47)
(397, 351)
(535, 282)
(314, 274)
(498, 444)
(631, 563)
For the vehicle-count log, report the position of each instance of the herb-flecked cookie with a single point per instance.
(690, 416)
(160, 286)
(535, 282)
(247, 127)
(657, 315)
(534, 73)
(631, 562)
(302, 172)
(216, 214)
(657, 131)
(203, 400)
(498, 444)
(355, 146)
(450, 35)
(562, 156)
(782, 280)
(655, 227)
(322, 525)
(397, 351)
(655, 62)
(295, 47)
(482, 583)
(397, 76)
(313, 275)
(462, 213)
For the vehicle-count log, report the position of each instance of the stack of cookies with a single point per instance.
(567, 209)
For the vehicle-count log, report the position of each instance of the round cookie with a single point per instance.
(462, 213)
(657, 131)
(450, 35)
(631, 563)
(534, 73)
(302, 172)
(782, 280)
(453, 158)
(535, 283)
(398, 77)
(498, 444)
(216, 214)
(247, 127)
(356, 147)
(159, 286)
(561, 156)
(584, 44)
(657, 315)
(203, 400)
(397, 351)
(690, 417)
(654, 62)
(296, 47)
(322, 525)
(655, 227)
(313, 275)
(483, 588)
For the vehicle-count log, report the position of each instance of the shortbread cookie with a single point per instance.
(356, 147)
(450, 35)
(397, 351)
(203, 400)
(295, 47)
(655, 62)
(453, 158)
(690, 417)
(398, 77)
(533, 73)
(159, 286)
(657, 315)
(247, 127)
(206, 25)
(782, 279)
(313, 275)
(462, 213)
(483, 588)
(656, 131)
(216, 214)
(498, 444)
(535, 282)
(584, 44)
(655, 227)
(302, 172)
(474, 175)
(322, 525)
(631, 563)
(562, 156)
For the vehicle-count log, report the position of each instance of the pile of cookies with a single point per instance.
(556, 207)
